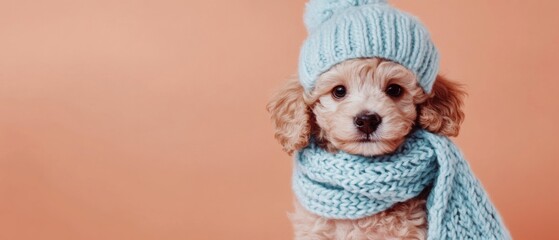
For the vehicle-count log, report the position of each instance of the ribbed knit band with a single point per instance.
(346, 29)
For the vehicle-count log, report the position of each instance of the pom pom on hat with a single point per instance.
(319, 11)
(340, 30)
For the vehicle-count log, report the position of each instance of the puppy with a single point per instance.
(365, 107)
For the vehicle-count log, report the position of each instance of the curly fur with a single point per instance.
(407, 220)
(442, 113)
(290, 115)
(297, 115)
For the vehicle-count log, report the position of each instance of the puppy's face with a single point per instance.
(365, 106)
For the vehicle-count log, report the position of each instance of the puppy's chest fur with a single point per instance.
(406, 220)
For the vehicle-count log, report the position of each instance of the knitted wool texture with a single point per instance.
(345, 29)
(345, 186)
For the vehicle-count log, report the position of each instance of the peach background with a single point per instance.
(145, 119)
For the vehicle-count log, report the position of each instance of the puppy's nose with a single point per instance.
(367, 123)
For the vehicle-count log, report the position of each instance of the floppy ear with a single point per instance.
(291, 116)
(442, 111)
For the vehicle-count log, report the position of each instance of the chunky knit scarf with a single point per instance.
(345, 186)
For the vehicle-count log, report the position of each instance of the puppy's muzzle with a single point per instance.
(367, 123)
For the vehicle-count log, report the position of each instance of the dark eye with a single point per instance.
(394, 90)
(339, 92)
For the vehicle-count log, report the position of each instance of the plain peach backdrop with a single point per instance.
(146, 119)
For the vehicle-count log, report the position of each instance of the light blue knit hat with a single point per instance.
(345, 29)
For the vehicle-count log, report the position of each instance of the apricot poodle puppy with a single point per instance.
(367, 107)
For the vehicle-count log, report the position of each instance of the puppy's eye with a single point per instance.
(394, 90)
(339, 91)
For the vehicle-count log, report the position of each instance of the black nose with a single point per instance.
(367, 123)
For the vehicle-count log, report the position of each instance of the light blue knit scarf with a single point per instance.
(345, 186)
